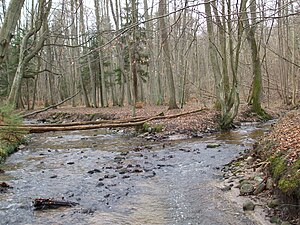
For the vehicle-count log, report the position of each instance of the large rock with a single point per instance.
(269, 184)
(246, 189)
(274, 203)
(248, 206)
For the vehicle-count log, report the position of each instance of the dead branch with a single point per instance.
(51, 106)
(42, 203)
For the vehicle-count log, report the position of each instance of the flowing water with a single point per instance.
(118, 179)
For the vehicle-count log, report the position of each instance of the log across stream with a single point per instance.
(88, 125)
(119, 179)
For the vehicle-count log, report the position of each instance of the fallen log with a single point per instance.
(41, 128)
(47, 203)
(80, 127)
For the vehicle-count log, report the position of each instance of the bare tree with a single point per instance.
(7, 30)
(167, 54)
(26, 53)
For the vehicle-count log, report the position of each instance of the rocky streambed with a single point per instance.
(119, 179)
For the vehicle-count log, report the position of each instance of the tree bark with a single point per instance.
(227, 95)
(255, 98)
(25, 57)
(167, 55)
(11, 19)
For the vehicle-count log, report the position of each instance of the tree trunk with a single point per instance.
(255, 98)
(227, 96)
(167, 55)
(25, 57)
(102, 74)
(11, 19)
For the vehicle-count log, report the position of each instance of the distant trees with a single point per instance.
(155, 52)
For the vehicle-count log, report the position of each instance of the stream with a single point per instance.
(117, 179)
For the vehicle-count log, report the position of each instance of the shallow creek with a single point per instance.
(117, 179)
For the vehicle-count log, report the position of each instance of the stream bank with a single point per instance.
(269, 174)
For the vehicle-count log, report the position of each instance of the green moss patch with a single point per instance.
(146, 127)
(286, 175)
(10, 135)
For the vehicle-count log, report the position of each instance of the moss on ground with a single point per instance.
(146, 127)
(6, 149)
(278, 167)
(281, 148)
(10, 135)
(289, 181)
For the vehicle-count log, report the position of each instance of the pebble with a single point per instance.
(136, 170)
(106, 196)
(249, 160)
(213, 145)
(20, 147)
(123, 171)
(87, 211)
(226, 188)
(110, 176)
(118, 159)
(100, 184)
(275, 219)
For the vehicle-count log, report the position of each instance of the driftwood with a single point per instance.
(51, 106)
(40, 128)
(46, 203)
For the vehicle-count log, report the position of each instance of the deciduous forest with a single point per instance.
(154, 52)
(150, 111)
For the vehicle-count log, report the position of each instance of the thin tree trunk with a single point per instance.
(167, 55)
(103, 96)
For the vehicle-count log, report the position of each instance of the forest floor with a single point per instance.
(278, 185)
(199, 123)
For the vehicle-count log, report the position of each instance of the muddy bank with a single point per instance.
(120, 179)
(268, 175)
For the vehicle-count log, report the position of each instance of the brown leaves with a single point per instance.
(286, 135)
